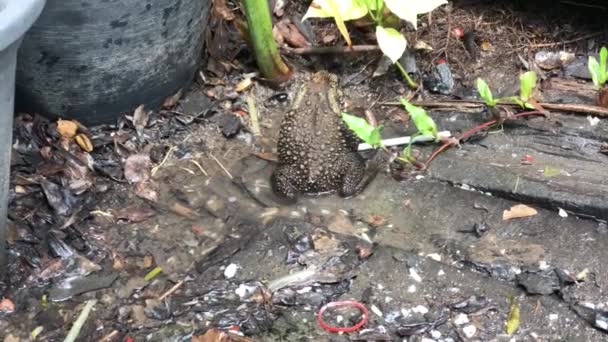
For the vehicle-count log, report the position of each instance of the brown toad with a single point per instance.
(317, 152)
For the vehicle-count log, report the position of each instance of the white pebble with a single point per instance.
(434, 256)
(440, 273)
(469, 331)
(376, 310)
(562, 213)
(388, 299)
(420, 309)
(593, 121)
(543, 265)
(230, 271)
(411, 288)
(414, 275)
(461, 319)
(435, 334)
(553, 317)
(601, 324)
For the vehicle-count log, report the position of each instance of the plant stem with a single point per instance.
(267, 55)
(410, 81)
(473, 131)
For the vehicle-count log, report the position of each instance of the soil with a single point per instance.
(233, 257)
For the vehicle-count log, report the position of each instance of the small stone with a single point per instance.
(138, 315)
(461, 319)
(420, 309)
(414, 275)
(411, 289)
(469, 331)
(553, 317)
(230, 271)
(435, 334)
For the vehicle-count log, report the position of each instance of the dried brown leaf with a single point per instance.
(291, 34)
(172, 101)
(519, 211)
(244, 84)
(134, 213)
(221, 10)
(140, 119)
(146, 190)
(137, 168)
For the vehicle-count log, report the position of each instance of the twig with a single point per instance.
(322, 50)
(253, 114)
(84, 314)
(564, 107)
(171, 290)
(199, 167)
(109, 336)
(222, 166)
(156, 168)
(591, 35)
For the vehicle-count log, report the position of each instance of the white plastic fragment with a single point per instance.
(406, 140)
(562, 213)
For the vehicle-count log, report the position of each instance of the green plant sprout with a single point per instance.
(372, 135)
(366, 132)
(424, 124)
(486, 93)
(598, 70)
(391, 42)
(527, 83)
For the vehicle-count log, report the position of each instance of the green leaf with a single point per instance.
(408, 10)
(550, 171)
(517, 100)
(527, 83)
(363, 130)
(346, 10)
(391, 42)
(485, 92)
(424, 123)
(594, 70)
(373, 5)
(603, 58)
(155, 271)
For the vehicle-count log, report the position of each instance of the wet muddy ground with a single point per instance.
(427, 253)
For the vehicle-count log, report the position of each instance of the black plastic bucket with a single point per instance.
(91, 60)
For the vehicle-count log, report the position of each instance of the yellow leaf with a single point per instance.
(67, 128)
(513, 319)
(84, 142)
(518, 211)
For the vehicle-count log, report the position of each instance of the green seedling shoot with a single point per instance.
(598, 70)
(391, 41)
(486, 93)
(527, 83)
(366, 132)
(424, 124)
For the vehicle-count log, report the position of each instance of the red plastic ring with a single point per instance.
(335, 329)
